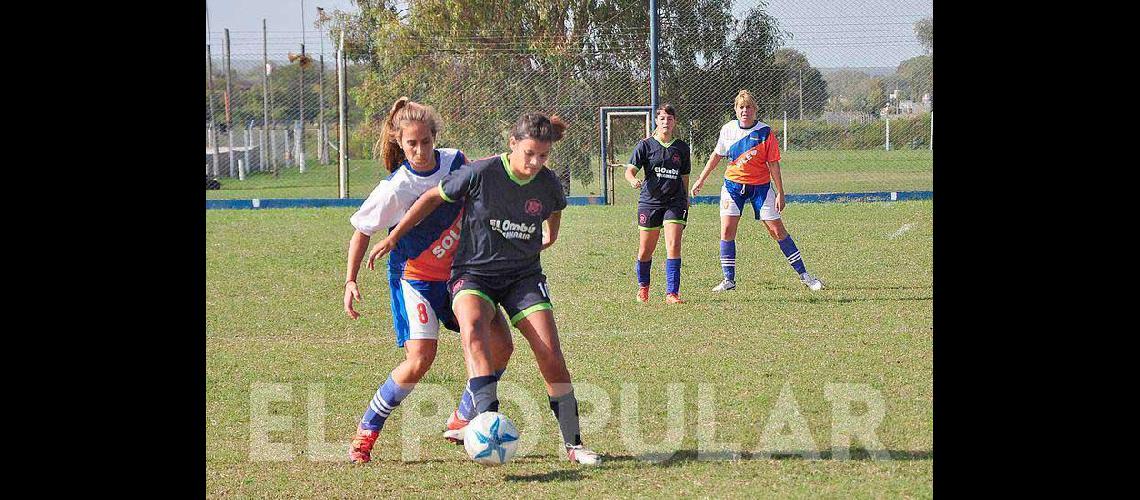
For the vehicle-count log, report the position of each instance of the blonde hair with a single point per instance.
(744, 97)
(404, 111)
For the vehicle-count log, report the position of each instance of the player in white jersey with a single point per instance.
(420, 263)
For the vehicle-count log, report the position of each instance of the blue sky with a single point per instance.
(831, 33)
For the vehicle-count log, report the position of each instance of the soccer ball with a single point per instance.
(491, 438)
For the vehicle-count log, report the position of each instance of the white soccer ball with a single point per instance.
(491, 438)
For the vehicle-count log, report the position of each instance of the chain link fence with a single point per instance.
(846, 86)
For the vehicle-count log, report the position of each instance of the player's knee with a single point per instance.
(420, 362)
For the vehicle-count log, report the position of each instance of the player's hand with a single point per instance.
(636, 183)
(351, 292)
(379, 250)
(546, 241)
(780, 202)
(696, 187)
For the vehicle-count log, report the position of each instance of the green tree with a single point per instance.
(916, 76)
(800, 84)
(924, 30)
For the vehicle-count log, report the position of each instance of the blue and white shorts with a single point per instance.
(419, 308)
(733, 197)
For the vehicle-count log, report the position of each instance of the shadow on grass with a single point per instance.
(547, 477)
(683, 457)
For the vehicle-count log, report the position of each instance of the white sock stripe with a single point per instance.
(382, 404)
(373, 407)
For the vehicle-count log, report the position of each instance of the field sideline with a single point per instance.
(274, 316)
(803, 171)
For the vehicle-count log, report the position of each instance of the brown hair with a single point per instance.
(404, 111)
(668, 109)
(744, 97)
(538, 127)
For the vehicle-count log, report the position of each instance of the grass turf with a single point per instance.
(273, 296)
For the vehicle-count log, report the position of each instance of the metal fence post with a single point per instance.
(888, 134)
(213, 121)
(248, 144)
(342, 111)
(267, 96)
(229, 116)
(785, 130)
(300, 138)
(322, 147)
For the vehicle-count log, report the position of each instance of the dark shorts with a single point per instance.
(519, 296)
(653, 218)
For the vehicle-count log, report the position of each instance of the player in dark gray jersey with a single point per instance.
(505, 200)
(664, 202)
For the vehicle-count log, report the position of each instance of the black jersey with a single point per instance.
(502, 216)
(664, 165)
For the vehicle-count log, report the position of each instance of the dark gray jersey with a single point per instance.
(502, 217)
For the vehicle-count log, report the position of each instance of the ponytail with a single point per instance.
(403, 111)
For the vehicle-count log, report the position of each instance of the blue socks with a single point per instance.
(643, 272)
(673, 275)
(793, 254)
(387, 398)
(467, 402)
(728, 259)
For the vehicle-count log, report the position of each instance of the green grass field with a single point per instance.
(274, 315)
(803, 171)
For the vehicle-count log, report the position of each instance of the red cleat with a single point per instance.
(673, 298)
(361, 451)
(643, 294)
(455, 428)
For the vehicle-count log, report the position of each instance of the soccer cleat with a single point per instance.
(580, 454)
(455, 428)
(811, 282)
(361, 451)
(727, 284)
(643, 294)
(673, 298)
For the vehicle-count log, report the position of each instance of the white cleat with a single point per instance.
(725, 285)
(582, 455)
(813, 283)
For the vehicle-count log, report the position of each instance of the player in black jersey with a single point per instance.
(506, 199)
(664, 202)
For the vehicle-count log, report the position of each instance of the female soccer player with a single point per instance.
(420, 263)
(505, 200)
(664, 202)
(752, 176)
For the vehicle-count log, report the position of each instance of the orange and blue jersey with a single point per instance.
(748, 150)
(425, 253)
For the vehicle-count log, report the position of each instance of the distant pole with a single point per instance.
(342, 112)
(265, 95)
(785, 130)
(932, 131)
(801, 80)
(229, 116)
(322, 149)
(301, 118)
(888, 134)
(653, 35)
(213, 122)
(268, 98)
(248, 144)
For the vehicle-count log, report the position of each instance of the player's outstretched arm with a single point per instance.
(419, 211)
(551, 233)
(714, 160)
(356, 247)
